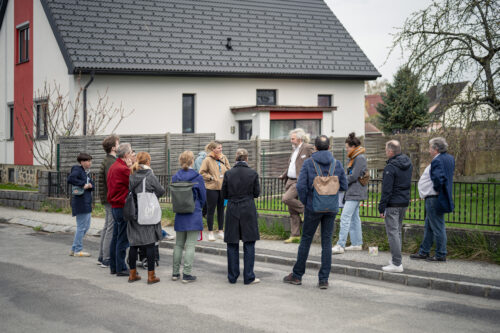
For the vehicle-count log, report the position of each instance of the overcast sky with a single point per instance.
(370, 23)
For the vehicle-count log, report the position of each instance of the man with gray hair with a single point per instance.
(117, 181)
(302, 150)
(436, 187)
(396, 185)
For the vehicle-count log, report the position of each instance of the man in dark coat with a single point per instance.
(323, 159)
(436, 186)
(240, 187)
(110, 145)
(396, 186)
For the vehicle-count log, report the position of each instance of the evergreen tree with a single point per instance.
(405, 107)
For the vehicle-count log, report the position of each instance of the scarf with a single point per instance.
(352, 155)
(215, 156)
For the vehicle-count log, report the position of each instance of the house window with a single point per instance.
(24, 38)
(11, 175)
(266, 97)
(245, 130)
(281, 128)
(187, 113)
(11, 122)
(41, 120)
(324, 100)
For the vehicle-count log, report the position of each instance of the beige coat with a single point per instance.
(212, 176)
(305, 152)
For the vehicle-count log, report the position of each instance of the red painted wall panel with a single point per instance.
(288, 115)
(23, 86)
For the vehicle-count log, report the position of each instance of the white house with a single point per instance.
(237, 68)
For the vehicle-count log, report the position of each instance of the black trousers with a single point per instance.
(150, 255)
(215, 200)
(233, 262)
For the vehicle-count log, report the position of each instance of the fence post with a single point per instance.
(258, 146)
(167, 153)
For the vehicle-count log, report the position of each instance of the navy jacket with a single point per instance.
(324, 159)
(191, 221)
(80, 204)
(442, 169)
(396, 183)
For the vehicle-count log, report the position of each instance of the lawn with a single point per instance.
(10, 186)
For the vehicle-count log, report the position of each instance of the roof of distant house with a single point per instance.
(252, 38)
(371, 102)
(440, 96)
(370, 128)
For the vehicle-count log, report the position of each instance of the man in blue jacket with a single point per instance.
(323, 159)
(436, 187)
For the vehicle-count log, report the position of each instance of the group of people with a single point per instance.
(231, 191)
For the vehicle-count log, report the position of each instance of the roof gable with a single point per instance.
(440, 96)
(291, 38)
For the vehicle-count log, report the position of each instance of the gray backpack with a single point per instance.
(182, 197)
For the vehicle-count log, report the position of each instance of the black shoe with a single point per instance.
(176, 277)
(123, 273)
(188, 278)
(292, 280)
(323, 284)
(112, 272)
(418, 256)
(436, 259)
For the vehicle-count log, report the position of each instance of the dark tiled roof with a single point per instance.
(291, 38)
(441, 96)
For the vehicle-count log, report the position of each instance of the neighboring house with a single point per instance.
(237, 68)
(445, 110)
(371, 102)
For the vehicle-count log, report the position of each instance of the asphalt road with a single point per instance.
(42, 289)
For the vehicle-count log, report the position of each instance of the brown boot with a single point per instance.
(152, 277)
(133, 276)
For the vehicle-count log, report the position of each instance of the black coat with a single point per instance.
(80, 204)
(396, 183)
(240, 187)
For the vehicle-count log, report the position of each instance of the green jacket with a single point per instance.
(103, 175)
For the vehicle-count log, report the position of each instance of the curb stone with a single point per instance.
(458, 287)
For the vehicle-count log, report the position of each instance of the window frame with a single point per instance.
(330, 97)
(275, 91)
(241, 124)
(38, 106)
(320, 122)
(10, 107)
(192, 111)
(23, 40)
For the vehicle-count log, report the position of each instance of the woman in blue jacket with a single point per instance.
(81, 201)
(188, 226)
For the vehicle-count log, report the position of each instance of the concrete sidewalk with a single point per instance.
(459, 276)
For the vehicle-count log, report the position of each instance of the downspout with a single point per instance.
(85, 102)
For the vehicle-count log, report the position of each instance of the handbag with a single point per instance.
(364, 179)
(77, 190)
(148, 207)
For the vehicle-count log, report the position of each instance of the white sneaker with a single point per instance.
(354, 248)
(211, 236)
(393, 268)
(220, 234)
(337, 249)
(255, 281)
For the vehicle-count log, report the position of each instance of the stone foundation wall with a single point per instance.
(30, 200)
(21, 174)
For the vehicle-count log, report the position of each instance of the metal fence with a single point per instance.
(475, 203)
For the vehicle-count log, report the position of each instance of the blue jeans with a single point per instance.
(311, 222)
(119, 242)
(434, 229)
(82, 226)
(350, 223)
(233, 262)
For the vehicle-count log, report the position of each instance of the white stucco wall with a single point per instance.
(157, 102)
(6, 83)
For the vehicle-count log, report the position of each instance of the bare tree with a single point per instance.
(53, 115)
(376, 87)
(456, 40)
